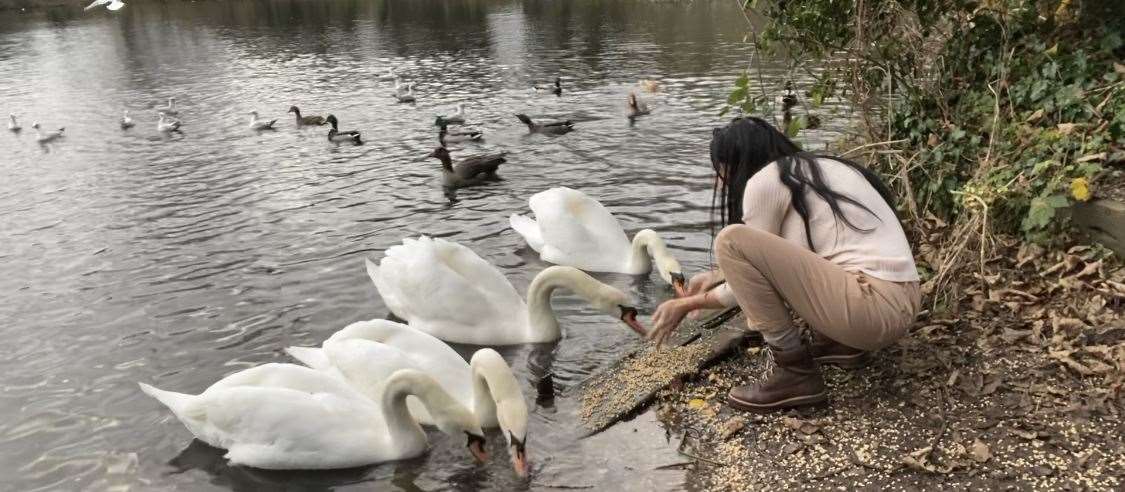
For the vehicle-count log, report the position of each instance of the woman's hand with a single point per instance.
(668, 316)
(701, 281)
(699, 284)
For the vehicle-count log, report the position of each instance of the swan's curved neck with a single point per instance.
(647, 247)
(541, 317)
(401, 425)
(496, 391)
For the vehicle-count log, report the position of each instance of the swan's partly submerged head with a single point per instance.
(616, 303)
(501, 388)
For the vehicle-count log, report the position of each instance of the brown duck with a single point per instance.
(307, 120)
(470, 171)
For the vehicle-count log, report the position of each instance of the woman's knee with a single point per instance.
(736, 239)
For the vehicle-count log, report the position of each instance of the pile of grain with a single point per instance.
(617, 391)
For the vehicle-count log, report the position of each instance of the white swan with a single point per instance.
(167, 125)
(13, 125)
(256, 124)
(475, 304)
(368, 352)
(170, 109)
(126, 121)
(571, 228)
(389, 75)
(285, 416)
(45, 137)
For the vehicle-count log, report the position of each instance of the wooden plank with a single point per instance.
(627, 386)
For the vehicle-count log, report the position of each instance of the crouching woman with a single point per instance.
(814, 234)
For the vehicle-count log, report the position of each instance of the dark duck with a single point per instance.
(335, 135)
(469, 171)
(552, 128)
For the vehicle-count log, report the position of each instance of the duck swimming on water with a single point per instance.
(470, 171)
(44, 137)
(13, 125)
(556, 89)
(552, 128)
(167, 125)
(257, 124)
(636, 107)
(335, 135)
(306, 120)
(407, 96)
(126, 121)
(446, 136)
(457, 118)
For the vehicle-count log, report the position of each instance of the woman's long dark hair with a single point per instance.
(746, 145)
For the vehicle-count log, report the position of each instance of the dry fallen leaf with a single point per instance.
(803, 426)
(696, 403)
(979, 451)
(731, 427)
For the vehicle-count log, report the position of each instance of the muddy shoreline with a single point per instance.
(1022, 388)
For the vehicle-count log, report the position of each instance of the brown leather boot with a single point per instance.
(792, 379)
(828, 351)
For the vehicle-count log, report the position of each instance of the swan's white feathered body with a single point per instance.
(446, 290)
(366, 353)
(285, 416)
(571, 228)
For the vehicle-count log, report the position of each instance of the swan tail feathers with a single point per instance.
(179, 403)
(309, 356)
(372, 270)
(529, 229)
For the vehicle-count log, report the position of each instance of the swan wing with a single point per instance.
(421, 350)
(289, 376)
(446, 290)
(283, 428)
(579, 231)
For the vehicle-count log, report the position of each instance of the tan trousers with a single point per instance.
(767, 272)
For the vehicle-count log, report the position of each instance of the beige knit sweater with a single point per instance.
(881, 252)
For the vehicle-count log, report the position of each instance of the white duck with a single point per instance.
(404, 92)
(126, 121)
(109, 4)
(389, 75)
(13, 125)
(45, 137)
(478, 305)
(368, 352)
(285, 416)
(167, 125)
(457, 118)
(571, 228)
(256, 124)
(170, 109)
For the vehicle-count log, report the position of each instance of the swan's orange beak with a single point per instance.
(678, 285)
(519, 461)
(476, 447)
(629, 317)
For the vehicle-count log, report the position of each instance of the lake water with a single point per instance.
(132, 256)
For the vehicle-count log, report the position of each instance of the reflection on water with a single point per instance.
(176, 259)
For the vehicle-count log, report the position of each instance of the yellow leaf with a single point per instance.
(1080, 189)
(696, 403)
